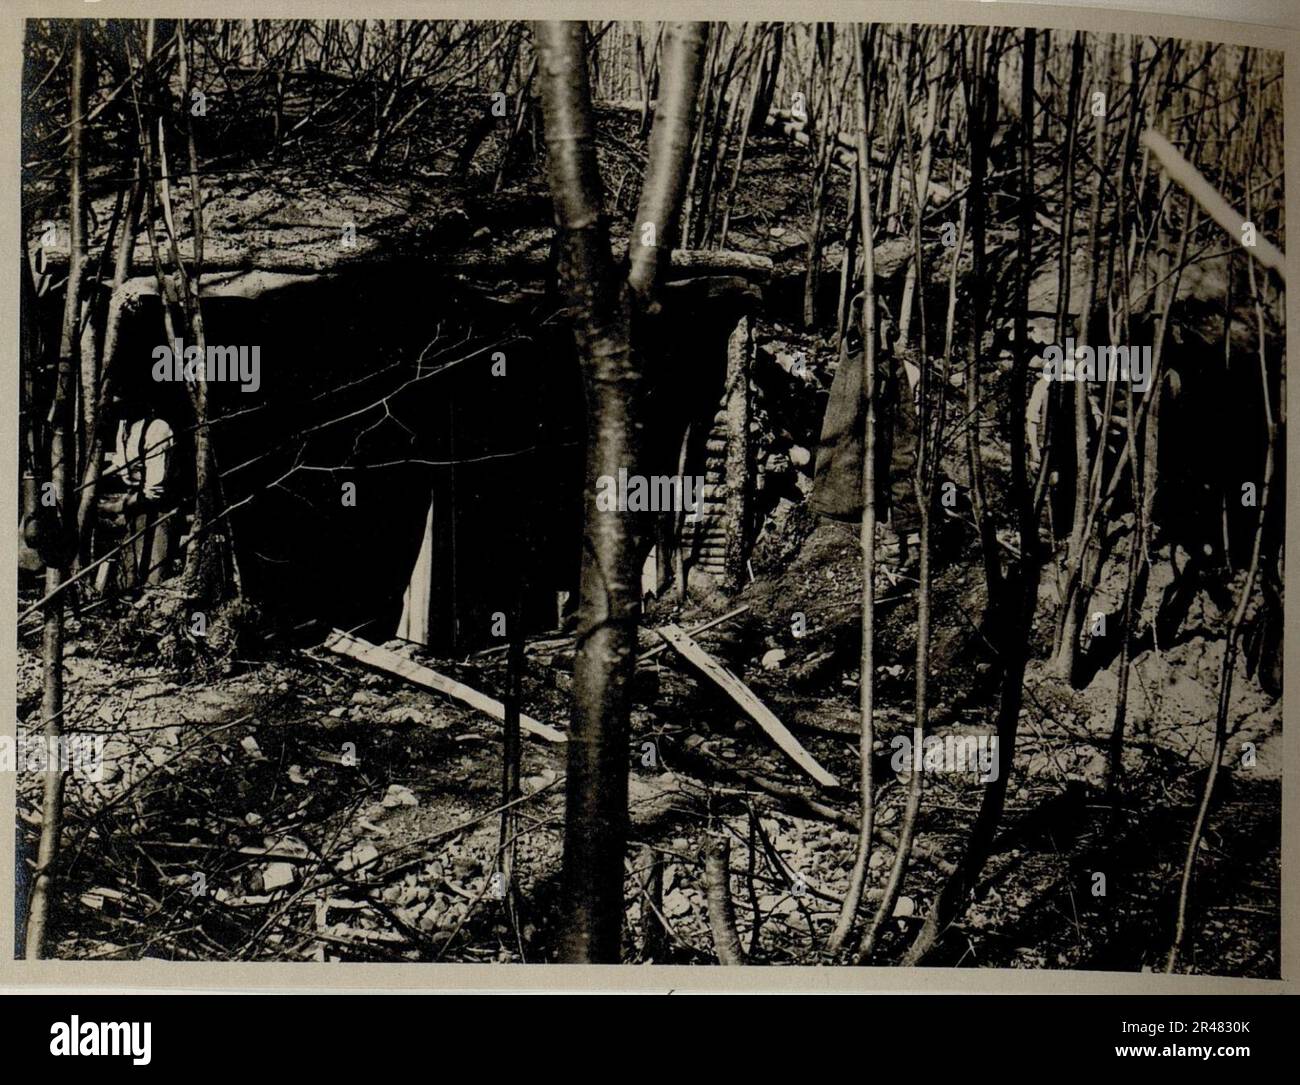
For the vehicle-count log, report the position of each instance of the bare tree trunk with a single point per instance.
(108, 352)
(1128, 228)
(511, 742)
(923, 189)
(981, 111)
(823, 130)
(655, 947)
(848, 266)
(34, 464)
(812, 276)
(208, 559)
(1071, 612)
(62, 465)
(521, 109)
(651, 81)
(746, 125)
(915, 782)
(722, 913)
(596, 795)
(771, 79)
(717, 131)
(601, 309)
(712, 46)
(670, 145)
(1015, 610)
(1233, 639)
(927, 463)
(867, 534)
(1066, 247)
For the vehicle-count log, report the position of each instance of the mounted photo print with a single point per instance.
(804, 493)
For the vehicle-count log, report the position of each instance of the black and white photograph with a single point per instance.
(771, 490)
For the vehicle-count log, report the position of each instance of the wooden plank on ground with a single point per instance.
(698, 658)
(383, 659)
(701, 628)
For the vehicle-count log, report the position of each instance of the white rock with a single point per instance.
(676, 903)
(402, 714)
(357, 856)
(398, 795)
(277, 876)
